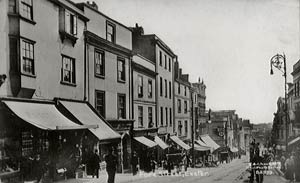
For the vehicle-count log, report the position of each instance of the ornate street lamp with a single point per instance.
(279, 62)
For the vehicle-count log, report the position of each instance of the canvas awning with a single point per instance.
(294, 141)
(145, 141)
(180, 142)
(201, 143)
(201, 148)
(209, 142)
(43, 115)
(87, 116)
(160, 142)
(234, 149)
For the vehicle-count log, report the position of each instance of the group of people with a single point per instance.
(290, 164)
(258, 160)
(92, 162)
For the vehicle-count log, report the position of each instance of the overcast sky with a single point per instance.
(228, 43)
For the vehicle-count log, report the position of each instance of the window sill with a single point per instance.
(69, 84)
(27, 20)
(64, 35)
(13, 14)
(99, 76)
(121, 81)
(28, 75)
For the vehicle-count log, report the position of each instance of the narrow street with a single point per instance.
(226, 173)
(233, 172)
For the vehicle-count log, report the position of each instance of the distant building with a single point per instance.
(279, 127)
(201, 122)
(108, 52)
(294, 100)
(221, 127)
(183, 126)
(144, 95)
(153, 48)
(247, 129)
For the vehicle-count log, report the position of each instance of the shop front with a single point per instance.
(146, 152)
(37, 141)
(100, 138)
(201, 152)
(209, 142)
(124, 148)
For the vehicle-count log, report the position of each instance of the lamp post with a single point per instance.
(279, 62)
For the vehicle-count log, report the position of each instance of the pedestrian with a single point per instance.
(185, 161)
(111, 165)
(169, 165)
(134, 163)
(297, 164)
(289, 167)
(38, 168)
(95, 164)
(152, 162)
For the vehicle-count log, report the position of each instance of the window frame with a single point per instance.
(186, 127)
(170, 110)
(178, 106)
(73, 73)
(179, 128)
(170, 90)
(121, 60)
(150, 88)
(160, 58)
(185, 107)
(113, 26)
(119, 95)
(161, 86)
(166, 62)
(96, 102)
(102, 53)
(140, 117)
(73, 21)
(166, 111)
(24, 57)
(140, 86)
(161, 116)
(166, 88)
(150, 117)
(29, 7)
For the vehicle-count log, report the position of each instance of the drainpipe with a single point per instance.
(84, 81)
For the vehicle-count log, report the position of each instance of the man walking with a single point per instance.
(134, 163)
(111, 165)
(95, 164)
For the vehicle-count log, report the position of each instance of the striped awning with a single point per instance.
(160, 142)
(180, 143)
(87, 116)
(145, 141)
(43, 115)
(201, 148)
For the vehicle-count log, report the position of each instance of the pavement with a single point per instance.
(233, 172)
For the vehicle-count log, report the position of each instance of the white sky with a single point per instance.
(229, 43)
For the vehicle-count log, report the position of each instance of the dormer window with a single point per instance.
(68, 25)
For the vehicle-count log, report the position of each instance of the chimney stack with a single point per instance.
(92, 5)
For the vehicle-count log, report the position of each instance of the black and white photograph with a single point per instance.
(149, 91)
